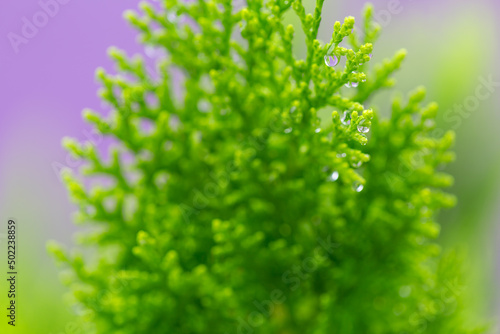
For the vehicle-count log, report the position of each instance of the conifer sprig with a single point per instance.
(228, 190)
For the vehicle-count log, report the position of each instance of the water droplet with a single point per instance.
(352, 84)
(362, 128)
(288, 130)
(334, 176)
(318, 130)
(331, 60)
(356, 164)
(346, 118)
(404, 291)
(357, 186)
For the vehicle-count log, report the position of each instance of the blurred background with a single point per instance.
(47, 79)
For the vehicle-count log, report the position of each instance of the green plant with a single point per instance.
(240, 210)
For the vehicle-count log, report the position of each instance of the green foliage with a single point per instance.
(239, 210)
